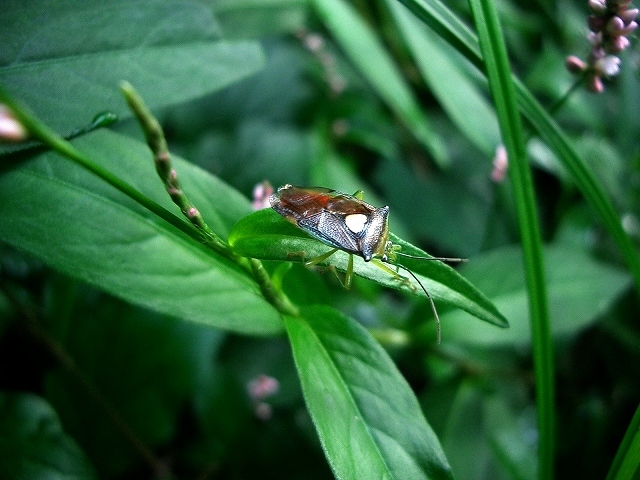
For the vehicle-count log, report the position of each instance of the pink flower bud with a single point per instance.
(629, 28)
(618, 44)
(628, 16)
(193, 212)
(313, 42)
(262, 386)
(575, 64)
(595, 84)
(11, 130)
(594, 39)
(608, 66)
(261, 193)
(598, 6)
(615, 25)
(263, 411)
(500, 164)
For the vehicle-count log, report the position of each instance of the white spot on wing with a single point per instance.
(356, 222)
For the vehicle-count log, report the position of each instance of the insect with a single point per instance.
(346, 222)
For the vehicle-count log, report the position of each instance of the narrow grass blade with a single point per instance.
(503, 92)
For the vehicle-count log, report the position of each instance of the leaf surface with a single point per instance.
(81, 226)
(369, 422)
(266, 235)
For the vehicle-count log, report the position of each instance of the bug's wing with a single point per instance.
(348, 205)
(295, 203)
(331, 230)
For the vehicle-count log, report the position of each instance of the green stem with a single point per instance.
(162, 159)
(558, 104)
(201, 233)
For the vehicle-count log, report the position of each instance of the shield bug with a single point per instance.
(346, 222)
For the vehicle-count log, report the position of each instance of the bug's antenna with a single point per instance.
(442, 259)
(433, 305)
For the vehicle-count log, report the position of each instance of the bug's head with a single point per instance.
(376, 237)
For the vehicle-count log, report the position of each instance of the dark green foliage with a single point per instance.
(129, 349)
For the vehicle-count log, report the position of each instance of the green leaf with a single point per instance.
(170, 51)
(369, 422)
(267, 235)
(626, 464)
(145, 365)
(443, 70)
(580, 289)
(33, 444)
(81, 226)
(362, 46)
(488, 435)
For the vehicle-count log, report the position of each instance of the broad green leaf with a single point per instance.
(362, 46)
(267, 235)
(368, 420)
(33, 444)
(440, 66)
(85, 228)
(170, 51)
(489, 437)
(580, 288)
(463, 439)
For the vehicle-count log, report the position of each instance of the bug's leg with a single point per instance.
(395, 273)
(348, 277)
(320, 258)
(359, 195)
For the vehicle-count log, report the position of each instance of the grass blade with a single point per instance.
(503, 92)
